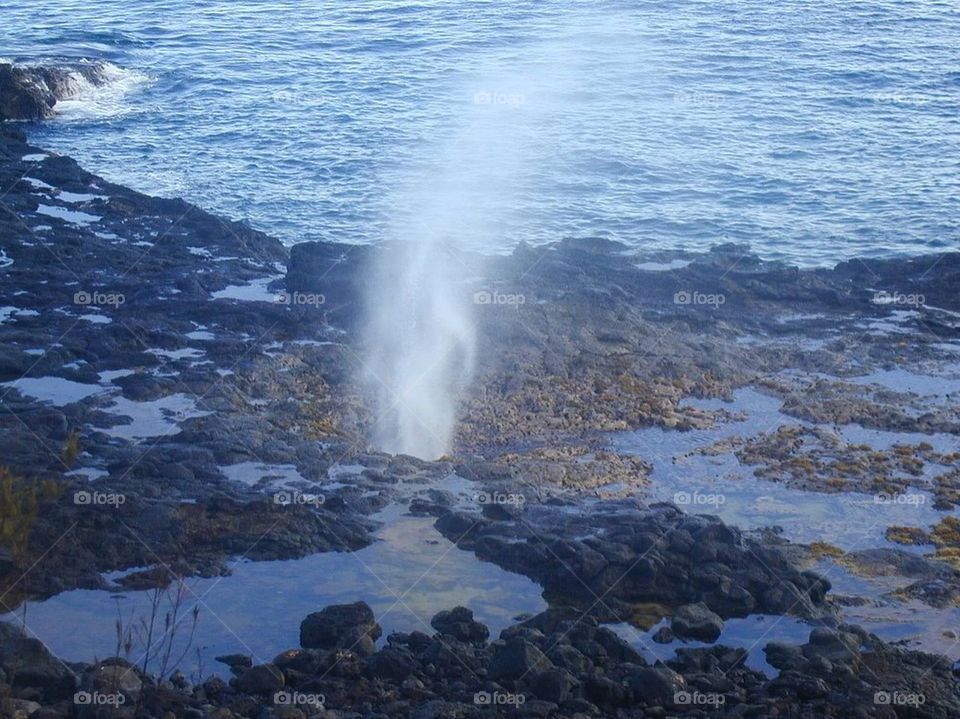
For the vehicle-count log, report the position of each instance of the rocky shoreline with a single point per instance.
(179, 393)
(560, 663)
(30, 92)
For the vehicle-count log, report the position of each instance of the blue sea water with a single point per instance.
(814, 130)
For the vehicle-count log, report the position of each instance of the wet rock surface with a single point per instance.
(697, 621)
(347, 626)
(814, 458)
(623, 562)
(30, 92)
(113, 308)
(460, 624)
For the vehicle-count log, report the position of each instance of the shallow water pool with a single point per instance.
(408, 576)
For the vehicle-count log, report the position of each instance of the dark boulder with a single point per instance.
(536, 708)
(784, 656)
(237, 662)
(333, 270)
(460, 624)
(664, 635)
(304, 661)
(261, 679)
(30, 92)
(552, 685)
(359, 641)
(440, 709)
(696, 621)
(21, 98)
(517, 658)
(392, 663)
(657, 686)
(794, 684)
(339, 626)
(604, 691)
(27, 663)
(833, 645)
(113, 676)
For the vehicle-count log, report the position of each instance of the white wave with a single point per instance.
(86, 100)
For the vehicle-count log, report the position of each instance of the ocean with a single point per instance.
(815, 131)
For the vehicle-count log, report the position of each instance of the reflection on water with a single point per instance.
(413, 572)
(915, 623)
(407, 577)
(752, 633)
(720, 485)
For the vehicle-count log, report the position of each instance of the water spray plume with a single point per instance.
(422, 347)
(420, 336)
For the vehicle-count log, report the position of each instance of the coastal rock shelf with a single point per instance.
(659, 499)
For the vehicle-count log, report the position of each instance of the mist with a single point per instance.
(420, 333)
(468, 194)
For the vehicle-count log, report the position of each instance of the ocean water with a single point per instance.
(815, 131)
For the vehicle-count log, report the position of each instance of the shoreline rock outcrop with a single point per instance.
(30, 92)
(557, 664)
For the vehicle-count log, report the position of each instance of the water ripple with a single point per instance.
(812, 131)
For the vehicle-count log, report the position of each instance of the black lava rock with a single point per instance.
(337, 625)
